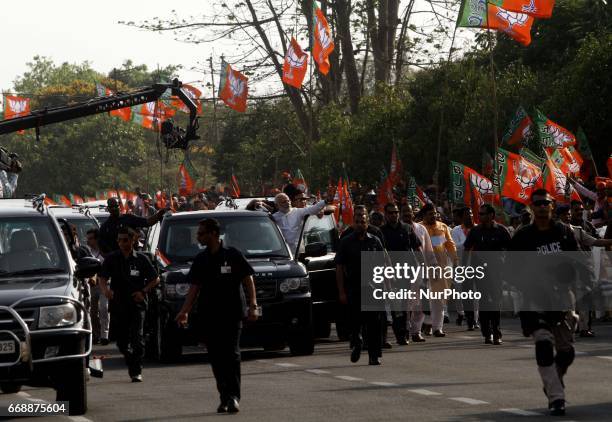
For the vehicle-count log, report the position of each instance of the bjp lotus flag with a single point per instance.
(16, 107)
(233, 88)
(124, 113)
(295, 66)
(193, 93)
(551, 134)
(516, 177)
(480, 14)
(187, 176)
(537, 8)
(322, 43)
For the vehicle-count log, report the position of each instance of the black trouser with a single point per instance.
(400, 325)
(489, 324)
(368, 323)
(223, 344)
(128, 326)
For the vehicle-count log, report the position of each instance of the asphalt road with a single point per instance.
(456, 378)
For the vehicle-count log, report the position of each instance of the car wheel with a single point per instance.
(10, 388)
(72, 385)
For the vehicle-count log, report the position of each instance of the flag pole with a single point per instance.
(495, 110)
(310, 126)
(436, 173)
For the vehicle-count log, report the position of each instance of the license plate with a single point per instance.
(7, 347)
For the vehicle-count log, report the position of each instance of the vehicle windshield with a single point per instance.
(319, 230)
(253, 236)
(82, 226)
(30, 244)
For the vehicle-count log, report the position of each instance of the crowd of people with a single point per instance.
(440, 237)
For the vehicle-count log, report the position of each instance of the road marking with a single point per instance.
(263, 361)
(287, 365)
(79, 419)
(604, 357)
(577, 353)
(468, 400)
(23, 394)
(527, 346)
(384, 384)
(465, 337)
(425, 392)
(520, 412)
(317, 371)
(347, 378)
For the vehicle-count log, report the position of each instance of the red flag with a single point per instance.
(516, 176)
(609, 163)
(337, 202)
(537, 8)
(470, 188)
(186, 179)
(347, 206)
(235, 187)
(124, 114)
(556, 183)
(567, 159)
(322, 42)
(193, 93)
(299, 181)
(15, 106)
(385, 193)
(295, 66)
(233, 89)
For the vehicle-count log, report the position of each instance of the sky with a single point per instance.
(74, 31)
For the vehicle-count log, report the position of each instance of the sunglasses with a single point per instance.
(542, 202)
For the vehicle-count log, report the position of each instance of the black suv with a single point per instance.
(281, 282)
(81, 217)
(45, 332)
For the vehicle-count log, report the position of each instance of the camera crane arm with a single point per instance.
(99, 105)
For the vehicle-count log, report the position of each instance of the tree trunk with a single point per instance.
(350, 67)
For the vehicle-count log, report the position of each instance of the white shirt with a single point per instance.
(290, 223)
(421, 233)
(8, 184)
(458, 234)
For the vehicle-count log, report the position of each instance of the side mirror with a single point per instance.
(315, 249)
(87, 267)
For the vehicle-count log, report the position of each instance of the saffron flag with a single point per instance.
(295, 66)
(187, 177)
(480, 14)
(347, 205)
(193, 93)
(124, 114)
(233, 88)
(567, 159)
(516, 177)
(62, 200)
(532, 157)
(322, 43)
(15, 106)
(552, 135)
(75, 199)
(557, 184)
(470, 188)
(519, 129)
(235, 186)
(537, 8)
(299, 181)
(337, 202)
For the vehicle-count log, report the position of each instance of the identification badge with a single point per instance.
(226, 269)
(134, 273)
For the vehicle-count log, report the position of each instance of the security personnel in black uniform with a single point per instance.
(552, 330)
(218, 275)
(399, 237)
(348, 278)
(109, 229)
(132, 276)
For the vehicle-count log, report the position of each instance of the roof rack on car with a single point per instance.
(38, 202)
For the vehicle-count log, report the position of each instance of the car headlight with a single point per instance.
(182, 289)
(57, 316)
(293, 284)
